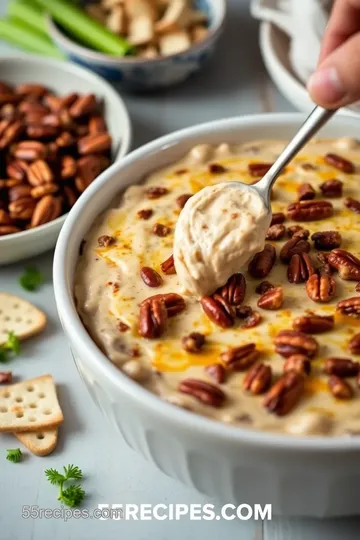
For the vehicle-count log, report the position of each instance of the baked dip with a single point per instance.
(275, 347)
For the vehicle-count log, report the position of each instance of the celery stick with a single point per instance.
(86, 29)
(28, 12)
(24, 37)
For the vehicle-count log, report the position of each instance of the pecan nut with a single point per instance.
(150, 277)
(19, 192)
(261, 265)
(161, 230)
(234, 289)
(284, 395)
(289, 342)
(83, 106)
(352, 204)
(218, 310)
(5, 377)
(251, 318)
(350, 307)
(47, 209)
(293, 246)
(300, 268)
(310, 210)
(332, 188)
(89, 168)
(321, 288)
(183, 199)
(39, 173)
(240, 358)
(339, 388)
(216, 372)
(258, 379)
(193, 343)
(94, 144)
(174, 303)
(207, 393)
(45, 189)
(340, 163)
(146, 213)
(258, 169)
(273, 299)
(341, 367)
(306, 192)
(105, 240)
(326, 240)
(30, 150)
(22, 209)
(314, 324)
(8, 229)
(168, 266)
(354, 344)
(275, 232)
(277, 218)
(153, 318)
(155, 192)
(263, 287)
(297, 230)
(297, 363)
(346, 264)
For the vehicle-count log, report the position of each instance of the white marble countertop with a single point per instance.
(235, 83)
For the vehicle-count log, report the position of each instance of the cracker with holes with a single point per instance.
(30, 406)
(19, 316)
(40, 443)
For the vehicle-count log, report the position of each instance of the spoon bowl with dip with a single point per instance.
(223, 226)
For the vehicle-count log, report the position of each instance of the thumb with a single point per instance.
(336, 82)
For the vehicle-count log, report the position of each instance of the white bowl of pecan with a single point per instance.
(264, 374)
(60, 127)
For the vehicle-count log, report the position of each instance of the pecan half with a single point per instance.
(340, 163)
(306, 192)
(18, 192)
(193, 343)
(207, 393)
(68, 167)
(30, 150)
(150, 277)
(5, 377)
(153, 318)
(8, 229)
(240, 358)
(289, 342)
(272, 299)
(293, 246)
(94, 144)
(310, 210)
(332, 188)
(234, 289)
(22, 209)
(258, 169)
(339, 388)
(4, 218)
(298, 231)
(174, 303)
(275, 232)
(105, 240)
(217, 168)
(314, 324)
(321, 288)
(183, 199)
(277, 218)
(88, 168)
(352, 204)
(258, 379)
(346, 264)
(354, 344)
(161, 230)
(263, 287)
(341, 367)
(83, 106)
(146, 213)
(155, 192)
(326, 240)
(47, 209)
(300, 268)
(261, 265)
(298, 363)
(39, 173)
(350, 307)
(216, 372)
(251, 318)
(284, 395)
(168, 266)
(218, 310)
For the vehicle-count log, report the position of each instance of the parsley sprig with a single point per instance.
(31, 279)
(74, 494)
(14, 455)
(10, 348)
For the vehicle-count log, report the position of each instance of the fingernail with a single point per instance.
(325, 86)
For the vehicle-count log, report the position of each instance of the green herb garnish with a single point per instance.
(14, 455)
(10, 347)
(31, 279)
(72, 495)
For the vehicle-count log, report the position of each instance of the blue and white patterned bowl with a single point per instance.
(137, 74)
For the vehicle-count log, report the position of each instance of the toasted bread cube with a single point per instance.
(174, 43)
(116, 20)
(198, 33)
(141, 8)
(141, 30)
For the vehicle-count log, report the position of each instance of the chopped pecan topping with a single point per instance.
(300, 268)
(217, 372)
(326, 240)
(298, 231)
(350, 307)
(168, 266)
(339, 388)
(306, 192)
(289, 342)
(297, 363)
(272, 299)
(234, 289)
(341, 367)
(308, 167)
(314, 324)
(153, 317)
(277, 218)
(310, 210)
(5, 377)
(161, 230)
(261, 265)
(354, 344)
(174, 303)
(179, 172)
(146, 213)
(332, 188)
(284, 395)
(263, 287)
(123, 327)
(240, 358)
(216, 168)
(207, 393)
(106, 240)
(293, 246)
(275, 232)
(346, 264)
(258, 169)
(218, 310)
(321, 288)
(193, 343)
(183, 199)
(150, 277)
(340, 163)
(251, 318)
(258, 379)
(155, 192)
(352, 204)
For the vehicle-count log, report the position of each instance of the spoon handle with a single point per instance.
(316, 119)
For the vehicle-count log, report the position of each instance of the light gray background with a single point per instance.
(235, 83)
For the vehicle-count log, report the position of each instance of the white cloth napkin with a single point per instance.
(304, 22)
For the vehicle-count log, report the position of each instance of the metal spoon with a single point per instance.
(316, 119)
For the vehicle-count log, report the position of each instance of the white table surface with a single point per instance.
(235, 83)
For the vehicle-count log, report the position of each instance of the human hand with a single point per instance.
(336, 81)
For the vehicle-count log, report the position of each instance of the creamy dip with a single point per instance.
(109, 289)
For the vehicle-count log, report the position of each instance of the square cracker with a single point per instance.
(40, 443)
(19, 316)
(29, 405)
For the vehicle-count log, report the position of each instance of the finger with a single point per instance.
(336, 82)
